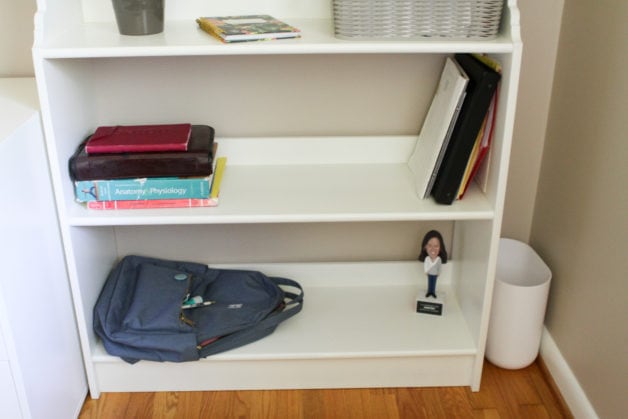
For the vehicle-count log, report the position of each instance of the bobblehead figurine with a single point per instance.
(433, 255)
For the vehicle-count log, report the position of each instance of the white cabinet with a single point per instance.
(41, 368)
(317, 132)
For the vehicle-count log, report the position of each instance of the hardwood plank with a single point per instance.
(165, 405)
(509, 389)
(313, 404)
(525, 393)
(533, 411)
(489, 396)
(486, 414)
(455, 402)
(429, 400)
(188, 405)
(552, 399)
(407, 406)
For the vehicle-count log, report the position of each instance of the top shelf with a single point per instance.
(184, 38)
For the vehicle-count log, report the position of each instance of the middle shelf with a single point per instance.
(285, 180)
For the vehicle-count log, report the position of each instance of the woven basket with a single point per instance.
(382, 19)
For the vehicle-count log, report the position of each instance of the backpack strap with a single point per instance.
(292, 297)
(294, 302)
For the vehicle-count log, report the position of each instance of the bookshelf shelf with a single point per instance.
(183, 37)
(336, 323)
(348, 189)
(317, 132)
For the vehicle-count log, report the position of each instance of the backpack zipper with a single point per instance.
(185, 319)
(182, 317)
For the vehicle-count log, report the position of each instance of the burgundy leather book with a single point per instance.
(197, 160)
(139, 138)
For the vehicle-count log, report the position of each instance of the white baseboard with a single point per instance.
(565, 379)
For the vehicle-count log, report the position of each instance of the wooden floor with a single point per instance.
(526, 393)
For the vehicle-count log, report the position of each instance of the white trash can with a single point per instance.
(522, 283)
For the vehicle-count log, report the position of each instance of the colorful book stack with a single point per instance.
(247, 28)
(457, 132)
(147, 166)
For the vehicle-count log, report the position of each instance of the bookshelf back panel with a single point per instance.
(271, 95)
(294, 242)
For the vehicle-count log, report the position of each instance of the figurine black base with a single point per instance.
(430, 305)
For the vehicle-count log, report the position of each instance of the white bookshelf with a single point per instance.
(317, 132)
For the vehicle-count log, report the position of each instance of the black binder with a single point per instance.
(483, 82)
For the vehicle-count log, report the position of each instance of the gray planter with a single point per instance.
(139, 17)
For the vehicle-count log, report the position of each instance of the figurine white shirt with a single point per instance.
(432, 266)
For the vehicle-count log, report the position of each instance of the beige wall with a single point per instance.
(16, 37)
(540, 25)
(580, 221)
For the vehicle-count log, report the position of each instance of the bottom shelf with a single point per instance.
(358, 328)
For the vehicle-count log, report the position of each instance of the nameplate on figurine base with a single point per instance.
(431, 305)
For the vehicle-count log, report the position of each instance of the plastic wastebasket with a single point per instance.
(522, 283)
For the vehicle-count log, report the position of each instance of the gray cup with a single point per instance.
(139, 17)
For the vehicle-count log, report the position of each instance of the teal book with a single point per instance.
(142, 188)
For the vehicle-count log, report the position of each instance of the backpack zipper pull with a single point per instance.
(185, 320)
(192, 301)
(186, 306)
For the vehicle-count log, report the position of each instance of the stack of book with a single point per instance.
(247, 28)
(147, 166)
(456, 135)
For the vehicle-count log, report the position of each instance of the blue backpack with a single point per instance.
(161, 310)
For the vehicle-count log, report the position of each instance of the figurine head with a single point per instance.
(433, 246)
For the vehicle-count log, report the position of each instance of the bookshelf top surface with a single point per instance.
(183, 37)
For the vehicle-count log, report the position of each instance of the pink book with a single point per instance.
(153, 203)
(139, 138)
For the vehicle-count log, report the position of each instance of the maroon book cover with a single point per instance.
(139, 138)
(197, 160)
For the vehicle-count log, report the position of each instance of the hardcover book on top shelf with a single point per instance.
(247, 28)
